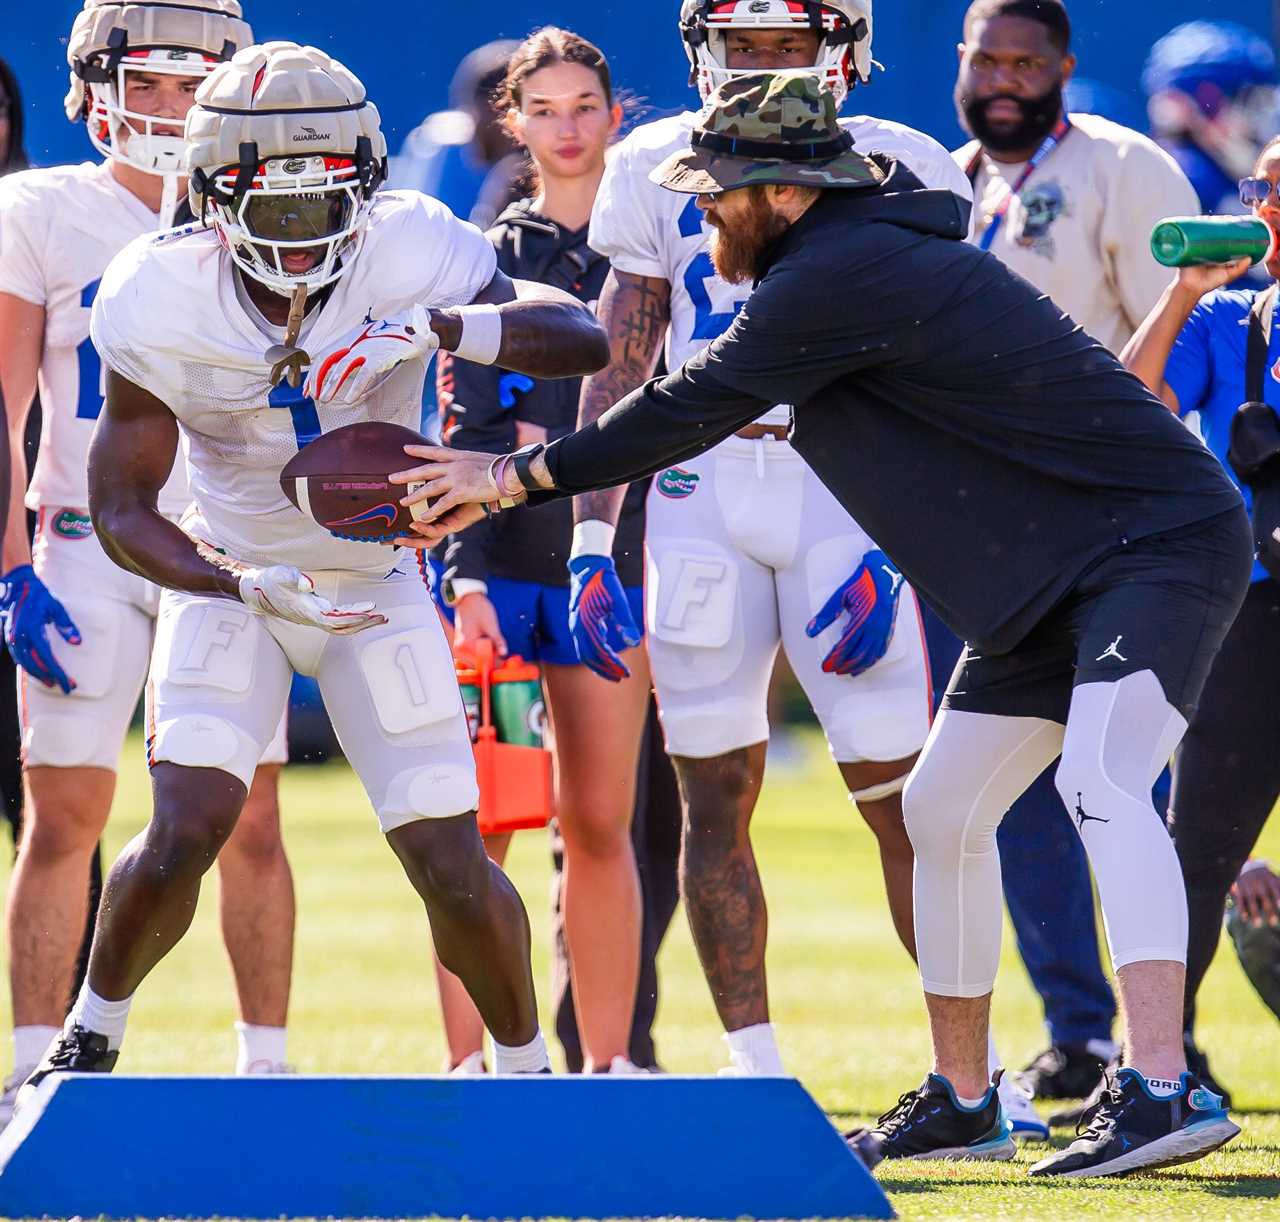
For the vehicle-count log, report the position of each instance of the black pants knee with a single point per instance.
(1227, 773)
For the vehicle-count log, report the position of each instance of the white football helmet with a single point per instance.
(284, 153)
(844, 58)
(111, 39)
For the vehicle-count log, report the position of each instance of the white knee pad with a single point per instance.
(876, 793)
(1119, 736)
(199, 740)
(433, 791)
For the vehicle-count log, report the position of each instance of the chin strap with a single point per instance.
(168, 202)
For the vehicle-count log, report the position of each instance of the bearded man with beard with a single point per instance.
(1067, 201)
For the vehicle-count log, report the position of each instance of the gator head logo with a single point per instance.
(71, 525)
(677, 484)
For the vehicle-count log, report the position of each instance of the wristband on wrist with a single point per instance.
(460, 587)
(481, 337)
(594, 537)
(522, 460)
(496, 468)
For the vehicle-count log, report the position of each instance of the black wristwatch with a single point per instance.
(522, 461)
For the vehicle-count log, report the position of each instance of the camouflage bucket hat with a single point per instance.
(768, 128)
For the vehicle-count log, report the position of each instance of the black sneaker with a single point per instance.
(1198, 1064)
(929, 1123)
(1073, 1117)
(1063, 1071)
(76, 1050)
(1131, 1130)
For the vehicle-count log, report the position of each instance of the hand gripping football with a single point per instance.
(340, 480)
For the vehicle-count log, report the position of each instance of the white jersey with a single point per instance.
(172, 317)
(646, 230)
(1080, 227)
(59, 228)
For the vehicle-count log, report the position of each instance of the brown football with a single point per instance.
(340, 479)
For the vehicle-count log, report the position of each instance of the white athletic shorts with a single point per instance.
(221, 678)
(115, 611)
(744, 545)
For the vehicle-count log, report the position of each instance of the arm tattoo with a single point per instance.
(635, 312)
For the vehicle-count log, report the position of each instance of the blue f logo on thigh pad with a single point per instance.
(306, 422)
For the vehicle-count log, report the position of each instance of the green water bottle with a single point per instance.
(470, 691)
(518, 710)
(1186, 241)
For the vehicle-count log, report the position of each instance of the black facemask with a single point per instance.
(1038, 117)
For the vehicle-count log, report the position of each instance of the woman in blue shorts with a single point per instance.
(512, 579)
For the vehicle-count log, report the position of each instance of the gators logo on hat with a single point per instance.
(768, 127)
(677, 483)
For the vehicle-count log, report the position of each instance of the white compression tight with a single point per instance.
(1117, 738)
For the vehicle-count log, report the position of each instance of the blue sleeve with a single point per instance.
(1189, 369)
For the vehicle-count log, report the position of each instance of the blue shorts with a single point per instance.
(535, 618)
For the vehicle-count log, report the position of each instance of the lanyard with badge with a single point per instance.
(1050, 142)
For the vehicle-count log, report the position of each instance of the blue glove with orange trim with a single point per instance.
(870, 599)
(600, 619)
(28, 609)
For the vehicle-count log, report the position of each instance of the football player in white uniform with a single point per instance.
(746, 548)
(285, 154)
(81, 628)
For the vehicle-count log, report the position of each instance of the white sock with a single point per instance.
(993, 1057)
(29, 1044)
(970, 1103)
(101, 1016)
(1104, 1050)
(1162, 1088)
(528, 1058)
(256, 1046)
(758, 1045)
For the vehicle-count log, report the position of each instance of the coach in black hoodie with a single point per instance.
(1089, 550)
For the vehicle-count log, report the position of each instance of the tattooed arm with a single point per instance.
(634, 311)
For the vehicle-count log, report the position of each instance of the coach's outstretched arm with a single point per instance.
(655, 426)
(133, 450)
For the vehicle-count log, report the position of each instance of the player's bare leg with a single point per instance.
(463, 1026)
(256, 907)
(958, 1026)
(720, 882)
(478, 921)
(598, 727)
(150, 895)
(66, 811)
(884, 818)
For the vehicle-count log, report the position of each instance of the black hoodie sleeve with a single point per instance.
(780, 349)
(473, 418)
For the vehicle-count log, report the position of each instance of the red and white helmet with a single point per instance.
(844, 58)
(284, 153)
(111, 39)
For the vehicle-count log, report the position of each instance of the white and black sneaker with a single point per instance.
(76, 1050)
(929, 1123)
(1130, 1129)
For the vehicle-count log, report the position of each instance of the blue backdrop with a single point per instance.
(405, 51)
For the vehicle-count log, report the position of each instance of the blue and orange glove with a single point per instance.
(870, 600)
(600, 619)
(28, 609)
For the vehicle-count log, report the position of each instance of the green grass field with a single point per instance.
(845, 998)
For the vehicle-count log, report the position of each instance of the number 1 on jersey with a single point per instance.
(302, 410)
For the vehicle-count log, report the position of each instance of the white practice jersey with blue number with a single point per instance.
(59, 228)
(646, 230)
(171, 318)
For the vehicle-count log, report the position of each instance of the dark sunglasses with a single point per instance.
(1255, 191)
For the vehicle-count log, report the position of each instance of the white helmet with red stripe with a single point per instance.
(110, 39)
(284, 152)
(844, 26)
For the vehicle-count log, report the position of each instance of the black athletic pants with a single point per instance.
(655, 833)
(1226, 774)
